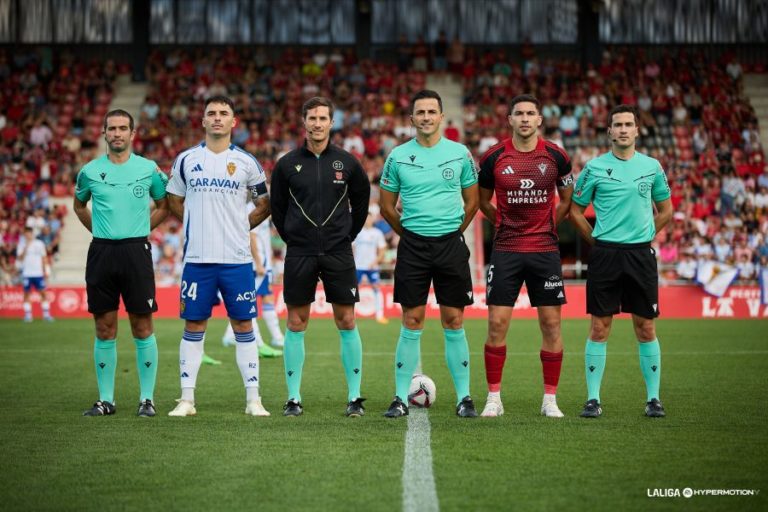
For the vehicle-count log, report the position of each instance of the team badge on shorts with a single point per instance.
(231, 168)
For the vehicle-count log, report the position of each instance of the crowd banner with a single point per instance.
(688, 301)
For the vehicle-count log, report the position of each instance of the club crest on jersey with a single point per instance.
(543, 168)
(231, 168)
(297, 167)
(337, 165)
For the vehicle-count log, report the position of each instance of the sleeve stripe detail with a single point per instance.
(493, 152)
(181, 169)
(258, 165)
(560, 157)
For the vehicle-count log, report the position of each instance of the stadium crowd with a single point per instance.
(697, 123)
(51, 110)
(694, 119)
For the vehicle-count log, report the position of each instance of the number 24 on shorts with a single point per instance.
(188, 291)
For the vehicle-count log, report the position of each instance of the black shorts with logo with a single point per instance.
(623, 278)
(541, 272)
(120, 267)
(337, 271)
(441, 260)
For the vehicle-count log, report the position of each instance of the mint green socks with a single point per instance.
(146, 362)
(594, 366)
(293, 358)
(105, 360)
(352, 359)
(650, 365)
(407, 357)
(457, 357)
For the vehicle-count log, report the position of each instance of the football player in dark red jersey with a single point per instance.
(524, 171)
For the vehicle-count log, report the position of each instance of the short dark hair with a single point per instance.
(220, 98)
(621, 109)
(317, 101)
(118, 112)
(426, 94)
(520, 98)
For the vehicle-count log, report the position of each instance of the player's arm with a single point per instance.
(158, 192)
(564, 184)
(663, 214)
(471, 199)
(44, 261)
(381, 253)
(262, 209)
(278, 199)
(359, 198)
(662, 198)
(486, 205)
(485, 179)
(388, 206)
(256, 254)
(160, 213)
(469, 193)
(176, 205)
(580, 221)
(82, 195)
(584, 192)
(83, 213)
(563, 208)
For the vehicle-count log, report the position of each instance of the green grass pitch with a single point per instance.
(714, 387)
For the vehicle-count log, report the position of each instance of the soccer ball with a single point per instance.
(422, 392)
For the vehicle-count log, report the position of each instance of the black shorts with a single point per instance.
(623, 278)
(120, 267)
(337, 272)
(541, 272)
(442, 260)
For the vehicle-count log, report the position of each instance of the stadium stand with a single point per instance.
(51, 112)
(699, 124)
(692, 123)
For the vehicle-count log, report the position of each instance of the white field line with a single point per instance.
(419, 490)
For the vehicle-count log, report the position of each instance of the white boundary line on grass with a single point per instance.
(419, 490)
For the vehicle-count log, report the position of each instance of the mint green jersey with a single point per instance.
(120, 194)
(430, 181)
(622, 193)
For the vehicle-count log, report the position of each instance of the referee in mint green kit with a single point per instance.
(437, 183)
(623, 186)
(120, 258)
